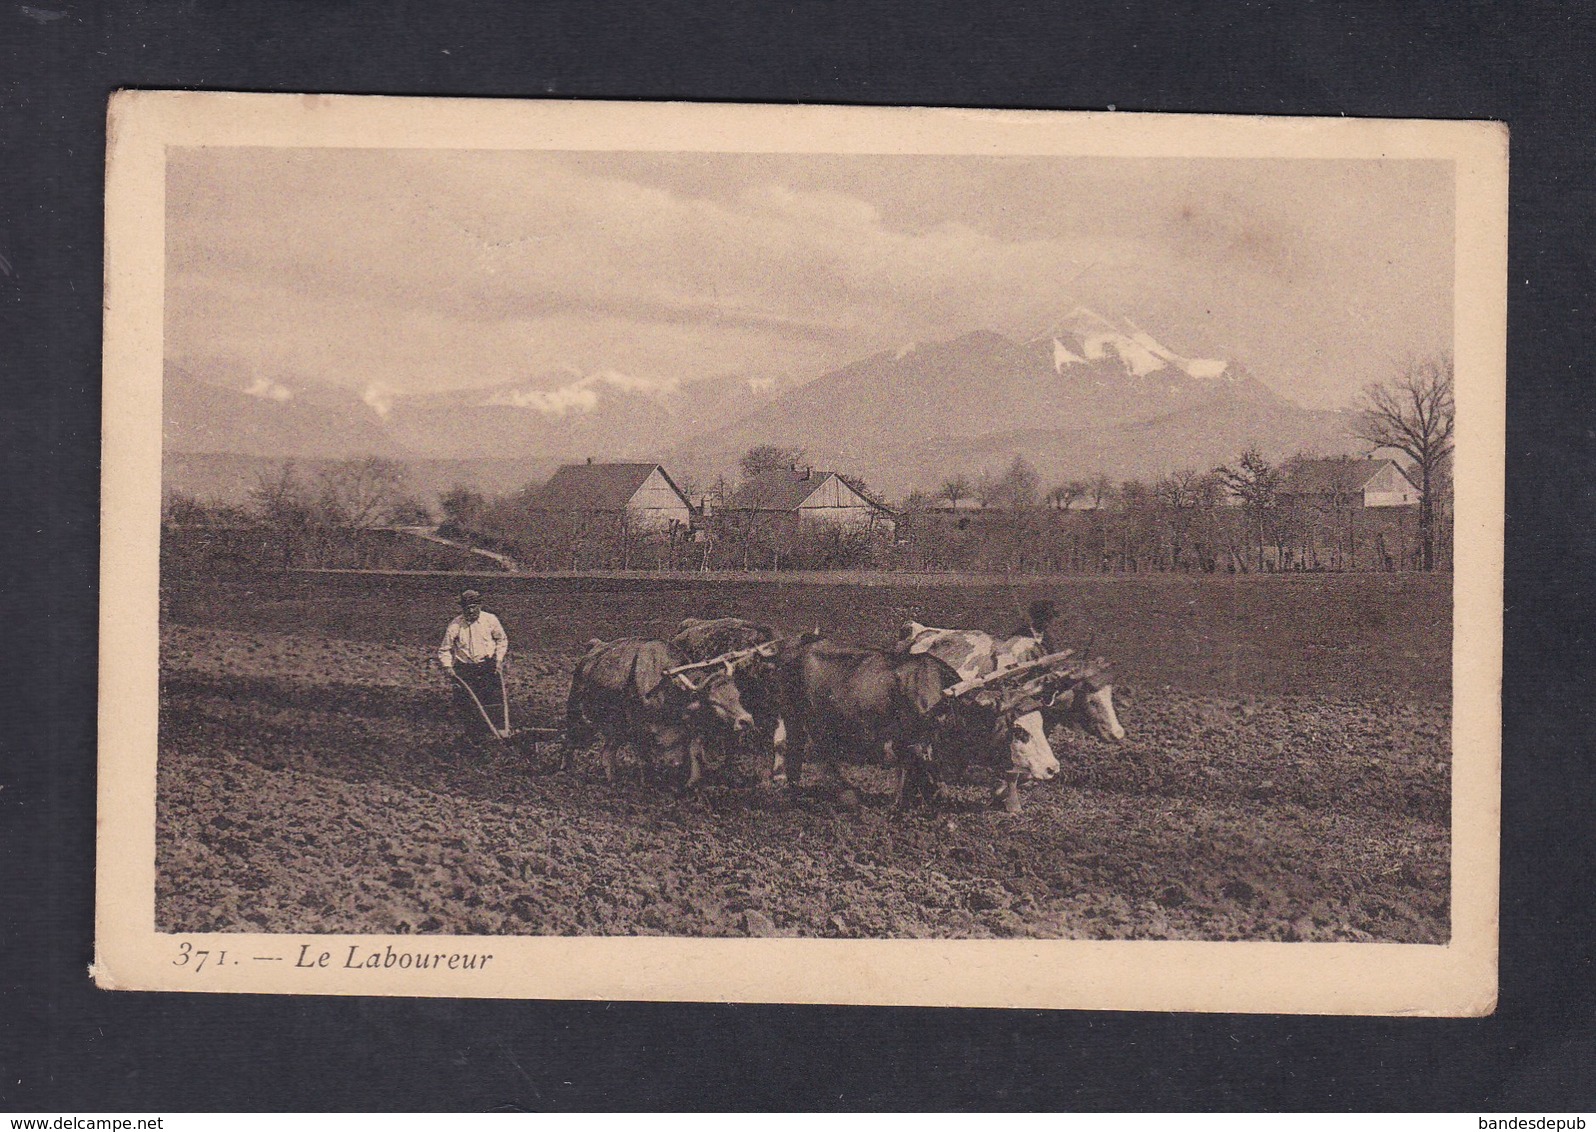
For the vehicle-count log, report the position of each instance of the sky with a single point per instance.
(394, 272)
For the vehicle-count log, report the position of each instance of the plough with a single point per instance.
(501, 734)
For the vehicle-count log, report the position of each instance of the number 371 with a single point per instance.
(186, 955)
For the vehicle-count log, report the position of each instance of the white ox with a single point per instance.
(971, 653)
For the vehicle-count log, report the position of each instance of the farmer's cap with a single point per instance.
(470, 597)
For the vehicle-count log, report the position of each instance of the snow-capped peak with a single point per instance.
(584, 393)
(1064, 356)
(1138, 351)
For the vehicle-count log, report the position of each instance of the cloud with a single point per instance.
(430, 269)
(577, 397)
(626, 383)
(268, 390)
(584, 394)
(379, 397)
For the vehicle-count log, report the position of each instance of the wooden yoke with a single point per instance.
(1003, 675)
(730, 661)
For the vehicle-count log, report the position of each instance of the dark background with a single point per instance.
(65, 1046)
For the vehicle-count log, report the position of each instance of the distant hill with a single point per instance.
(1094, 394)
(555, 418)
(1087, 398)
(267, 416)
(1200, 437)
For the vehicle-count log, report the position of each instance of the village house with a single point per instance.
(1344, 483)
(802, 493)
(645, 492)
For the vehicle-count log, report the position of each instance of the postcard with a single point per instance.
(866, 555)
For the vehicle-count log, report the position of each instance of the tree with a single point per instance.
(1022, 485)
(764, 458)
(1185, 499)
(1139, 512)
(280, 502)
(1065, 494)
(1101, 490)
(1018, 488)
(360, 492)
(182, 509)
(1016, 495)
(462, 508)
(279, 496)
(956, 489)
(1413, 414)
(1256, 482)
(409, 512)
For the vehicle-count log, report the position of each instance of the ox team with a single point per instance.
(939, 702)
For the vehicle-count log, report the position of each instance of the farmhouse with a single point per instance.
(803, 493)
(1344, 483)
(644, 491)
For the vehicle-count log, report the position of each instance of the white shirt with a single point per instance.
(474, 642)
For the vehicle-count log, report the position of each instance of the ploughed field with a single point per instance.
(1285, 776)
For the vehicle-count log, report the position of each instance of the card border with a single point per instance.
(1456, 979)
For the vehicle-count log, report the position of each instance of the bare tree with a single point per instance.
(1184, 499)
(462, 508)
(1065, 494)
(1256, 483)
(409, 511)
(360, 492)
(281, 503)
(1413, 414)
(956, 489)
(764, 458)
(1139, 513)
(182, 509)
(279, 494)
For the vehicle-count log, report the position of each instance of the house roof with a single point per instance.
(863, 492)
(1339, 475)
(782, 489)
(597, 487)
(777, 489)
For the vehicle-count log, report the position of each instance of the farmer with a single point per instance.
(473, 648)
(1042, 622)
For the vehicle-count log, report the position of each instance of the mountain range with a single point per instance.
(1093, 395)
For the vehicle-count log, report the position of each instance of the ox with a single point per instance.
(701, 639)
(625, 692)
(1086, 697)
(845, 703)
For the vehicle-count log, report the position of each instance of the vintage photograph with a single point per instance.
(811, 540)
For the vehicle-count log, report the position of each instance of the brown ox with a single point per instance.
(623, 691)
(856, 704)
(700, 639)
